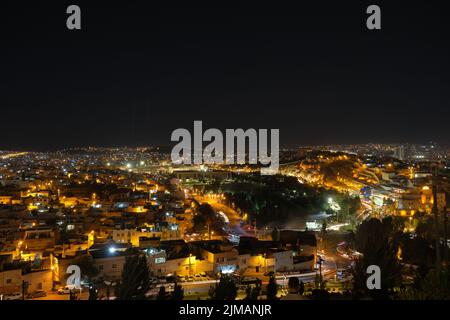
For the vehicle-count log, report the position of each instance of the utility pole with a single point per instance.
(320, 272)
(319, 262)
(24, 287)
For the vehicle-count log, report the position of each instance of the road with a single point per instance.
(12, 155)
(201, 287)
(56, 296)
(329, 245)
(233, 216)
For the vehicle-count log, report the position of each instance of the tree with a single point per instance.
(275, 234)
(135, 281)
(225, 290)
(301, 288)
(161, 293)
(293, 285)
(272, 288)
(72, 295)
(434, 286)
(87, 267)
(207, 219)
(93, 293)
(378, 243)
(426, 229)
(178, 292)
(253, 292)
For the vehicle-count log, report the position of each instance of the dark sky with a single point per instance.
(136, 72)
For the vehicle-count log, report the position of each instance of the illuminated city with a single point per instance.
(203, 154)
(195, 224)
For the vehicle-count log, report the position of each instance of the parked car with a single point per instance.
(170, 288)
(37, 294)
(65, 290)
(162, 280)
(12, 296)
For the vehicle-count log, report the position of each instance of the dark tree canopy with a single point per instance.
(293, 284)
(135, 282)
(161, 293)
(377, 241)
(225, 290)
(178, 292)
(87, 267)
(207, 219)
(272, 288)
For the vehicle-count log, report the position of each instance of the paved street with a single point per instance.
(233, 216)
(55, 296)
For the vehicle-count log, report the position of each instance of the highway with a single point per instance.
(12, 155)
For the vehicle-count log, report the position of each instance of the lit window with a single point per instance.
(160, 260)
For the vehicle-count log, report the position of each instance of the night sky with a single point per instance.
(136, 72)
